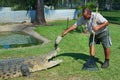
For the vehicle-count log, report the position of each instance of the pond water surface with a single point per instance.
(17, 39)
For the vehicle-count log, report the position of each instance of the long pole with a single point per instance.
(92, 47)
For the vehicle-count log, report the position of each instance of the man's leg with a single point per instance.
(107, 53)
(91, 46)
(91, 61)
(92, 50)
(107, 57)
(106, 42)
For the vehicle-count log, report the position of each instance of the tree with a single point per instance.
(26, 5)
(40, 18)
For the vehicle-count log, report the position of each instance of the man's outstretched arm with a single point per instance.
(68, 30)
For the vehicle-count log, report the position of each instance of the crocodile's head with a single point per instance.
(44, 62)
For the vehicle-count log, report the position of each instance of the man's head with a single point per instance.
(86, 13)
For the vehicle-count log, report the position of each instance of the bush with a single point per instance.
(91, 5)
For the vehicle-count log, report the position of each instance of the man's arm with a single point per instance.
(96, 28)
(103, 22)
(68, 30)
(74, 26)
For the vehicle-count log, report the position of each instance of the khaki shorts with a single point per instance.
(103, 38)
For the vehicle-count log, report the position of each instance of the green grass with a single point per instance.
(74, 52)
(112, 16)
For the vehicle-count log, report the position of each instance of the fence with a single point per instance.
(9, 16)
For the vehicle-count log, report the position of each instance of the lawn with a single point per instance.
(74, 52)
(112, 16)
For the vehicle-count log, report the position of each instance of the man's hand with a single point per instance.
(96, 28)
(64, 33)
(68, 30)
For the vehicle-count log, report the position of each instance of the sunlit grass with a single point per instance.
(74, 52)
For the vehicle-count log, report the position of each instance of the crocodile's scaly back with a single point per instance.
(10, 68)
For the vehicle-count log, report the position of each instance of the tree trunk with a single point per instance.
(40, 18)
(85, 2)
(70, 1)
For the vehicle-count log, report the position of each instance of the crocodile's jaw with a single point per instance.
(45, 62)
(46, 65)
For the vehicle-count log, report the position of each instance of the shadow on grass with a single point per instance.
(80, 56)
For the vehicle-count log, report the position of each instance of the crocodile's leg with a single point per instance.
(25, 70)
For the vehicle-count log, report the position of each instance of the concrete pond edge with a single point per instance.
(28, 29)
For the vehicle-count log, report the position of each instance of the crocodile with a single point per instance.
(16, 67)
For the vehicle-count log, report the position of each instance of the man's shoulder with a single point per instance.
(94, 13)
(81, 18)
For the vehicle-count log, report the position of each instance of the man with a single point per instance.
(95, 22)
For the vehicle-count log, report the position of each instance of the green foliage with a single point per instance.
(81, 29)
(91, 5)
(18, 4)
(4, 3)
